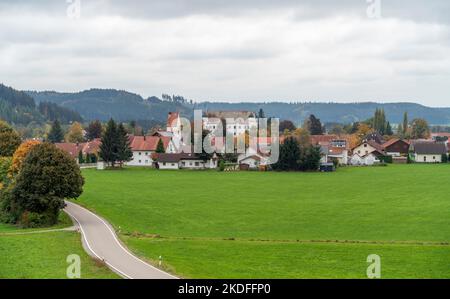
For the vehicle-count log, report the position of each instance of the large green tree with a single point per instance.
(289, 155)
(56, 133)
(9, 140)
(160, 147)
(47, 177)
(124, 152)
(314, 126)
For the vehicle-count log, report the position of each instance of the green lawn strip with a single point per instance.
(44, 256)
(244, 259)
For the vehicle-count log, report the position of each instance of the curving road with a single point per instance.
(100, 241)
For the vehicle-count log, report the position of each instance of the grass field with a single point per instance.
(251, 224)
(25, 253)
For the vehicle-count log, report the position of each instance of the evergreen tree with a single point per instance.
(261, 113)
(389, 129)
(108, 148)
(160, 147)
(314, 126)
(124, 152)
(289, 155)
(56, 133)
(310, 158)
(405, 124)
(80, 157)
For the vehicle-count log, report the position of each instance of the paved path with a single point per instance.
(100, 241)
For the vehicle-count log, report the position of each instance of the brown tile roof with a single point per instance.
(375, 145)
(393, 141)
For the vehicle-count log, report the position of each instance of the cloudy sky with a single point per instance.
(252, 50)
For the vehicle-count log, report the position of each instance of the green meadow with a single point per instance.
(209, 224)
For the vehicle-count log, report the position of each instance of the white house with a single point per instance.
(236, 122)
(366, 160)
(367, 147)
(428, 152)
(253, 161)
(183, 161)
(143, 147)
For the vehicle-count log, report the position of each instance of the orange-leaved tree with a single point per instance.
(20, 154)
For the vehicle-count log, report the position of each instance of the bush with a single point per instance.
(33, 220)
(386, 159)
(221, 165)
(445, 158)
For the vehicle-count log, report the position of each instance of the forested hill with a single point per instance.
(19, 108)
(124, 106)
(104, 104)
(337, 112)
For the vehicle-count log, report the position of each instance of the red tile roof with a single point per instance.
(73, 149)
(322, 139)
(171, 118)
(147, 143)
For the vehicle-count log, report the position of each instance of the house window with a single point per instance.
(425, 159)
(140, 161)
(197, 164)
(365, 145)
(164, 164)
(434, 157)
(140, 153)
(173, 164)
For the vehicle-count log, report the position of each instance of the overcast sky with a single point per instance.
(247, 50)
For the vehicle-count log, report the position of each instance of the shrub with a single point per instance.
(221, 165)
(386, 159)
(444, 158)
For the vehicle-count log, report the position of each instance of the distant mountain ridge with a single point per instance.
(19, 108)
(125, 106)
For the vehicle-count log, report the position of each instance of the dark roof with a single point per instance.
(175, 157)
(375, 136)
(429, 148)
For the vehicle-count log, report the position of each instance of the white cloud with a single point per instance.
(253, 54)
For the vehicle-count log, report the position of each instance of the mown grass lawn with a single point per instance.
(25, 253)
(211, 224)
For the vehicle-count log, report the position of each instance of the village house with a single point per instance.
(367, 153)
(183, 161)
(428, 151)
(333, 148)
(90, 148)
(236, 122)
(144, 146)
(396, 147)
